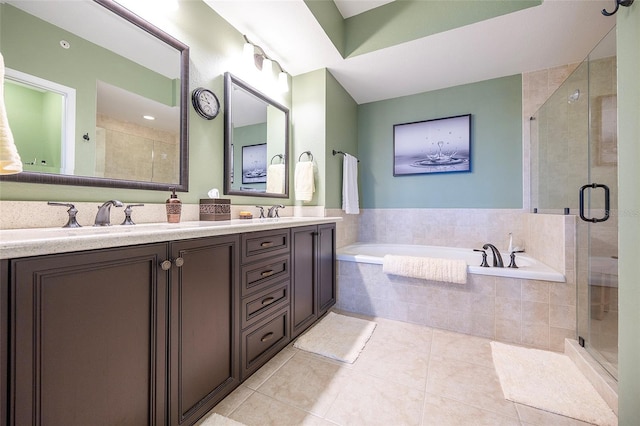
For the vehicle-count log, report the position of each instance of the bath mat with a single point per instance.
(216, 419)
(549, 381)
(337, 337)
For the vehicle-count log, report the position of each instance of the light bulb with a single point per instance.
(283, 81)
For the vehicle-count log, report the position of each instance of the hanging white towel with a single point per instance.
(304, 184)
(443, 270)
(10, 162)
(275, 178)
(350, 201)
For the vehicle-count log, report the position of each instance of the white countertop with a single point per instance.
(15, 243)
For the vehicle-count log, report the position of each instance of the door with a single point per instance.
(88, 338)
(326, 252)
(303, 278)
(203, 338)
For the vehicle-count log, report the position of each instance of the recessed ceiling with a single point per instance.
(558, 32)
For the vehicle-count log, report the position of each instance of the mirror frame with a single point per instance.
(183, 184)
(229, 80)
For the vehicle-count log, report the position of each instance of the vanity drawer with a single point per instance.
(263, 341)
(263, 303)
(263, 244)
(260, 275)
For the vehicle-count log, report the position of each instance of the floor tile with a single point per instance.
(533, 416)
(456, 346)
(233, 400)
(471, 384)
(306, 383)
(260, 376)
(393, 363)
(440, 411)
(261, 410)
(371, 401)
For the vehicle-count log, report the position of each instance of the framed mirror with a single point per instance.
(95, 96)
(256, 142)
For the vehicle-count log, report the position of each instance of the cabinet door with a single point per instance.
(88, 338)
(203, 332)
(303, 270)
(326, 258)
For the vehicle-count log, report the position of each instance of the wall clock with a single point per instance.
(206, 103)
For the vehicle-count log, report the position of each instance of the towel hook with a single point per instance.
(279, 156)
(308, 153)
(625, 3)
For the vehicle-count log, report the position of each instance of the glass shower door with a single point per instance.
(574, 170)
(600, 207)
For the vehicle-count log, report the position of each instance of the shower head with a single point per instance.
(574, 96)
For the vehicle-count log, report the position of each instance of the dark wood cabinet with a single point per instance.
(203, 335)
(313, 274)
(88, 338)
(154, 334)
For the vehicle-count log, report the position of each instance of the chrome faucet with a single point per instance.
(273, 210)
(103, 217)
(497, 257)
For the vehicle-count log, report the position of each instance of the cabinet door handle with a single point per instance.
(165, 265)
(267, 273)
(266, 244)
(179, 261)
(268, 300)
(266, 337)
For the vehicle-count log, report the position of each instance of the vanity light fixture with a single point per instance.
(256, 55)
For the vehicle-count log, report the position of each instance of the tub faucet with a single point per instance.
(103, 217)
(497, 257)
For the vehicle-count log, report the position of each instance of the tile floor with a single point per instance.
(406, 375)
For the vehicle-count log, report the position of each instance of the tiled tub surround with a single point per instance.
(534, 313)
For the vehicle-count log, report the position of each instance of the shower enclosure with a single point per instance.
(574, 170)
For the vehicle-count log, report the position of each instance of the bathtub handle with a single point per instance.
(607, 203)
(484, 263)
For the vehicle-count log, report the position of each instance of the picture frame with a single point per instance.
(440, 145)
(254, 163)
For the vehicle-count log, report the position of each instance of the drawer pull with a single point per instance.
(268, 300)
(267, 273)
(266, 244)
(266, 337)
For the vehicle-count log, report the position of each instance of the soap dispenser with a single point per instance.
(174, 207)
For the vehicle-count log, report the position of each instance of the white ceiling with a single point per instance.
(556, 33)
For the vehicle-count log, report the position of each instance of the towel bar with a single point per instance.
(340, 152)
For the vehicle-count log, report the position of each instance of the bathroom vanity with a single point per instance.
(152, 324)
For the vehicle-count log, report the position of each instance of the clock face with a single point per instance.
(205, 103)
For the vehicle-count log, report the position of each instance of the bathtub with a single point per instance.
(528, 267)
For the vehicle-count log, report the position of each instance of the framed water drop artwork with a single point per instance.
(441, 145)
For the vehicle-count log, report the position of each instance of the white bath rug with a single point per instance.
(216, 419)
(337, 337)
(549, 381)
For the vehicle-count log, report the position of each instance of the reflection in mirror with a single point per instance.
(256, 142)
(97, 101)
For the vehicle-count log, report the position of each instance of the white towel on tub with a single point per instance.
(443, 270)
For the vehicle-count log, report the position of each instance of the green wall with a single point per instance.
(309, 127)
(496, 148)
(342, 135)
(628, 48)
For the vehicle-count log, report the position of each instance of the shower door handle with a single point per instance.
(606, 203)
